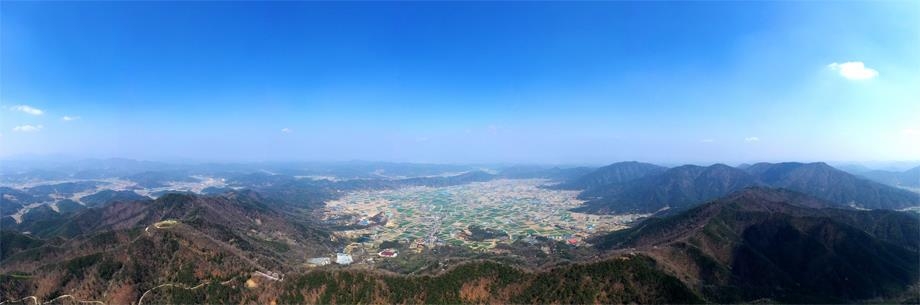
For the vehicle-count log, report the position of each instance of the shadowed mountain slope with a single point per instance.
(676, 188)
(825, 182)
(768, 243)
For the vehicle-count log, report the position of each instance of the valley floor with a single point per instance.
(479, 216)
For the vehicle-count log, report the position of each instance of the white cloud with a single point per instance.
(286, 130)
(28, 109)
(707, 141)
(70, 118)
(854, 70)
(28, 128)
(751, 139)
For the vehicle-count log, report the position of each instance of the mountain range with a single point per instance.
(908, 178)
(767, 233)
(685, 186)
(755, 244)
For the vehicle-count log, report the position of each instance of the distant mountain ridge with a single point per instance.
(908, 178)
(826, 182)
(686, 186)
(675, 188)
(612, 174)
(105, 197)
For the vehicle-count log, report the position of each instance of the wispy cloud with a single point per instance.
(751, 139)
(28, 109)
(854, 70)
(286, 130)
(70, 118)
(28, 128)
(707, 141)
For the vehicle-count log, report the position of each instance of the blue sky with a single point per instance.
(586, 83)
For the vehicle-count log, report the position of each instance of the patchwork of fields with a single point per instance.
(509, 210)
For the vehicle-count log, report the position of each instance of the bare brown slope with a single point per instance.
(130, 247)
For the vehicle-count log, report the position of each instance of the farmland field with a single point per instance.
(509, 209)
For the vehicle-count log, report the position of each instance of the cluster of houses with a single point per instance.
(342, 258)
(378, 219)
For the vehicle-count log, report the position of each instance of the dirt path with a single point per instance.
(141, 300)
(35, 300)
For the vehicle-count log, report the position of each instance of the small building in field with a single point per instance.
(319, 261)
(388, 253)
(343, 259)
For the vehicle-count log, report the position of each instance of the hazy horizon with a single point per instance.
(429, 152)
(56, 161)
(530, 83)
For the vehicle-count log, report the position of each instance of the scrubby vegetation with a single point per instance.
(625, 280)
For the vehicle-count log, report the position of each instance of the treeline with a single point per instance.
(625, 280)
